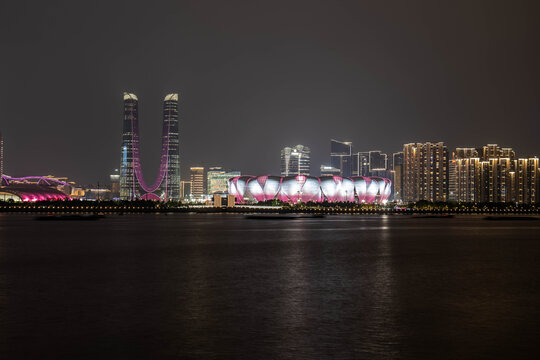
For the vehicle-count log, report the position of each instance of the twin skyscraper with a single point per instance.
(132, 184)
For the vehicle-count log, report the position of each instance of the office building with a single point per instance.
(341, 157)
(425, 172)
(132, 183)
(197, 181)
(370, 163)
(217, 180)
(397, 176)
(185, 189)
(360, 164)
(295, 160)
(377, 161)
(115, 184)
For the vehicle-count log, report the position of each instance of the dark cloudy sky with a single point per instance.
(255, 76)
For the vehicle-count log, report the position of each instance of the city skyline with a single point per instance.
(378, 75)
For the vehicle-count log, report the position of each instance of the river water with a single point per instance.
(219, 286)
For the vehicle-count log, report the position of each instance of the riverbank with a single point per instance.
(323, 210)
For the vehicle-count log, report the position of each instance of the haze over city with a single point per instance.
(254, 77)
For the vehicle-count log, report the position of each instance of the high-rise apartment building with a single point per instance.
(492, 174)
(493, 151)
(425, 172)
(527, 180)
(341, 157)
(197, 181)
(295, 160)
(465, 176)
(132, 183)
(497, 174)
(217, 179)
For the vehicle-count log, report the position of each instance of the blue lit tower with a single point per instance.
(127, 174)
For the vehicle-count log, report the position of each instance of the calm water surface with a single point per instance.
(224, 287)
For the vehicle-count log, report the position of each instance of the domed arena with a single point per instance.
(302, 188)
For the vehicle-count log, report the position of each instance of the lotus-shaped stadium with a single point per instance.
(301, 188)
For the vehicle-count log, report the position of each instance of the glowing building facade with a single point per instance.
(301, 188)
(217, 179)
(197, 180)
(425, 172)
(493, 174)
(33, 188)
(132, 183)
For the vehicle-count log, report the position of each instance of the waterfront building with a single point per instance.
(132, 183)
(341, 157)
(295, 160)
(492, 174)
(197, 180)
(301, 188)
(217, 179)
(34, 188)
(527, 180)
(425, 172)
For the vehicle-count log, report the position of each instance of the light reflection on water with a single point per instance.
(215, 286)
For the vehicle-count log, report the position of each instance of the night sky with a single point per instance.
(255, 76)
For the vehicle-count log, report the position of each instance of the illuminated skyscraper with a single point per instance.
(498, 176)
(132, 184)
(1, 156)
(197, 181)
(527, 182)
(217, 179)
(425, 172)
(185, 189)
(115, 184)
(295, 161)
(397, 176)
(377, 161)
(465, 176)
(360, 164)
(341, 156)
